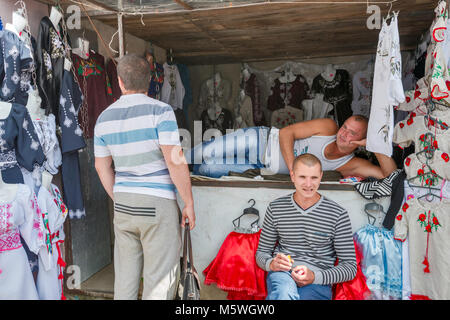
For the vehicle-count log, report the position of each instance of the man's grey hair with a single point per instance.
(134, 71)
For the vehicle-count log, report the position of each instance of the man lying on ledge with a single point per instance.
(335, 155)
(275, 150)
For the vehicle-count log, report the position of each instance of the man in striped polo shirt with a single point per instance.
(310, 229)
(139, 135)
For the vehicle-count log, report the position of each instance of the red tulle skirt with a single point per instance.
(234, 269)
(355, 289)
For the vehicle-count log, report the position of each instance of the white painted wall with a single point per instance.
(216, 207)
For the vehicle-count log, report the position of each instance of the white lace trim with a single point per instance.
(77, 214)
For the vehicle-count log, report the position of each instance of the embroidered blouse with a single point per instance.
(427, 227)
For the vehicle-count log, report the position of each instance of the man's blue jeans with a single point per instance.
(281, 286)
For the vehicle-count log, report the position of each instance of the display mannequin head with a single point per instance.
(18, 21)
(329, 72)
(246, 74)
(83, 48)
(55, 16)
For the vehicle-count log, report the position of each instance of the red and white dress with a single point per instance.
(234, 269)
(426, 225)
(20, 217)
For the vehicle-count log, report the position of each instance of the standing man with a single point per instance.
(140, 136)
(310, 229)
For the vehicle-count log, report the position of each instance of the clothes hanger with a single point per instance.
(428, 194)
(373, 211)
(247, 211)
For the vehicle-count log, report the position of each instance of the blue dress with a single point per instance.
(71, 141)
(15, 68)
(381, 261)
(19, 145)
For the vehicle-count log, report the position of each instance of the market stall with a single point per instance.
(225, 67)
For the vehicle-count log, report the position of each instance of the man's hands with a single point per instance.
(302, 276)
(360, 143)
(281, 262)
(189, 214)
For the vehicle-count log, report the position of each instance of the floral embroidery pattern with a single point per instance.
(89, 68)
(57, 47)
(428, 221)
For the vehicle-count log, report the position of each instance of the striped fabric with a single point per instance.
(314, 237)
(131, 130)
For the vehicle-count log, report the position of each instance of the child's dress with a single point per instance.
(234, 269)
(19, 217)
(50, 277)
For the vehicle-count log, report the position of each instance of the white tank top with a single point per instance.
(274, 161)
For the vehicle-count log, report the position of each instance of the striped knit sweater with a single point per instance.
(314, 237)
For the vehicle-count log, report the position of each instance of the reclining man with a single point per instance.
(275, 149)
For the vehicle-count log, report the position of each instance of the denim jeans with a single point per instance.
(237, 151)
(281, 286)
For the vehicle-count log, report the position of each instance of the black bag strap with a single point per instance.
(186, 233)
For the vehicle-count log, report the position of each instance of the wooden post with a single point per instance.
(120, 28)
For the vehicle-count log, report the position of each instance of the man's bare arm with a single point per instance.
(302, 130)
(387, 164)
(105, 172)
(179, 173)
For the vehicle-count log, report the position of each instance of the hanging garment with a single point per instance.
(338, 92)
(185, 79)
(111, 74)
(246, 113)
(286, 116)
(92, 71)
(415, 98)
(355, 289)
(71, 142)
(424, 134)
(50, 54)
(291, 93)
(437, 60)
(387, 89)
(378, 188)
(156, 81)
(223, 121)
(19, 145)
(381, 261)
(410, 193)
(362, 93)
(172, 91)
(50, 277)
(234, 268)
(19, 217)
(46, 132)
(252, 89)
(316, 108)
(15, 66)
(419, 165)
(426, 225)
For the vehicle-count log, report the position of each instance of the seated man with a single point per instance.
(312, 230)
(275, 149)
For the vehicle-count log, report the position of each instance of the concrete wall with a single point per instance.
(214, 217)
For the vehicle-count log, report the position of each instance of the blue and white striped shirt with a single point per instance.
(131, 130)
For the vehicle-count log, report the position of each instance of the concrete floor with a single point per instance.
(101, 287)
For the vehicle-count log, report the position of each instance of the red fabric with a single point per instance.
(418, 297)
(355, 289)
(234, 269)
